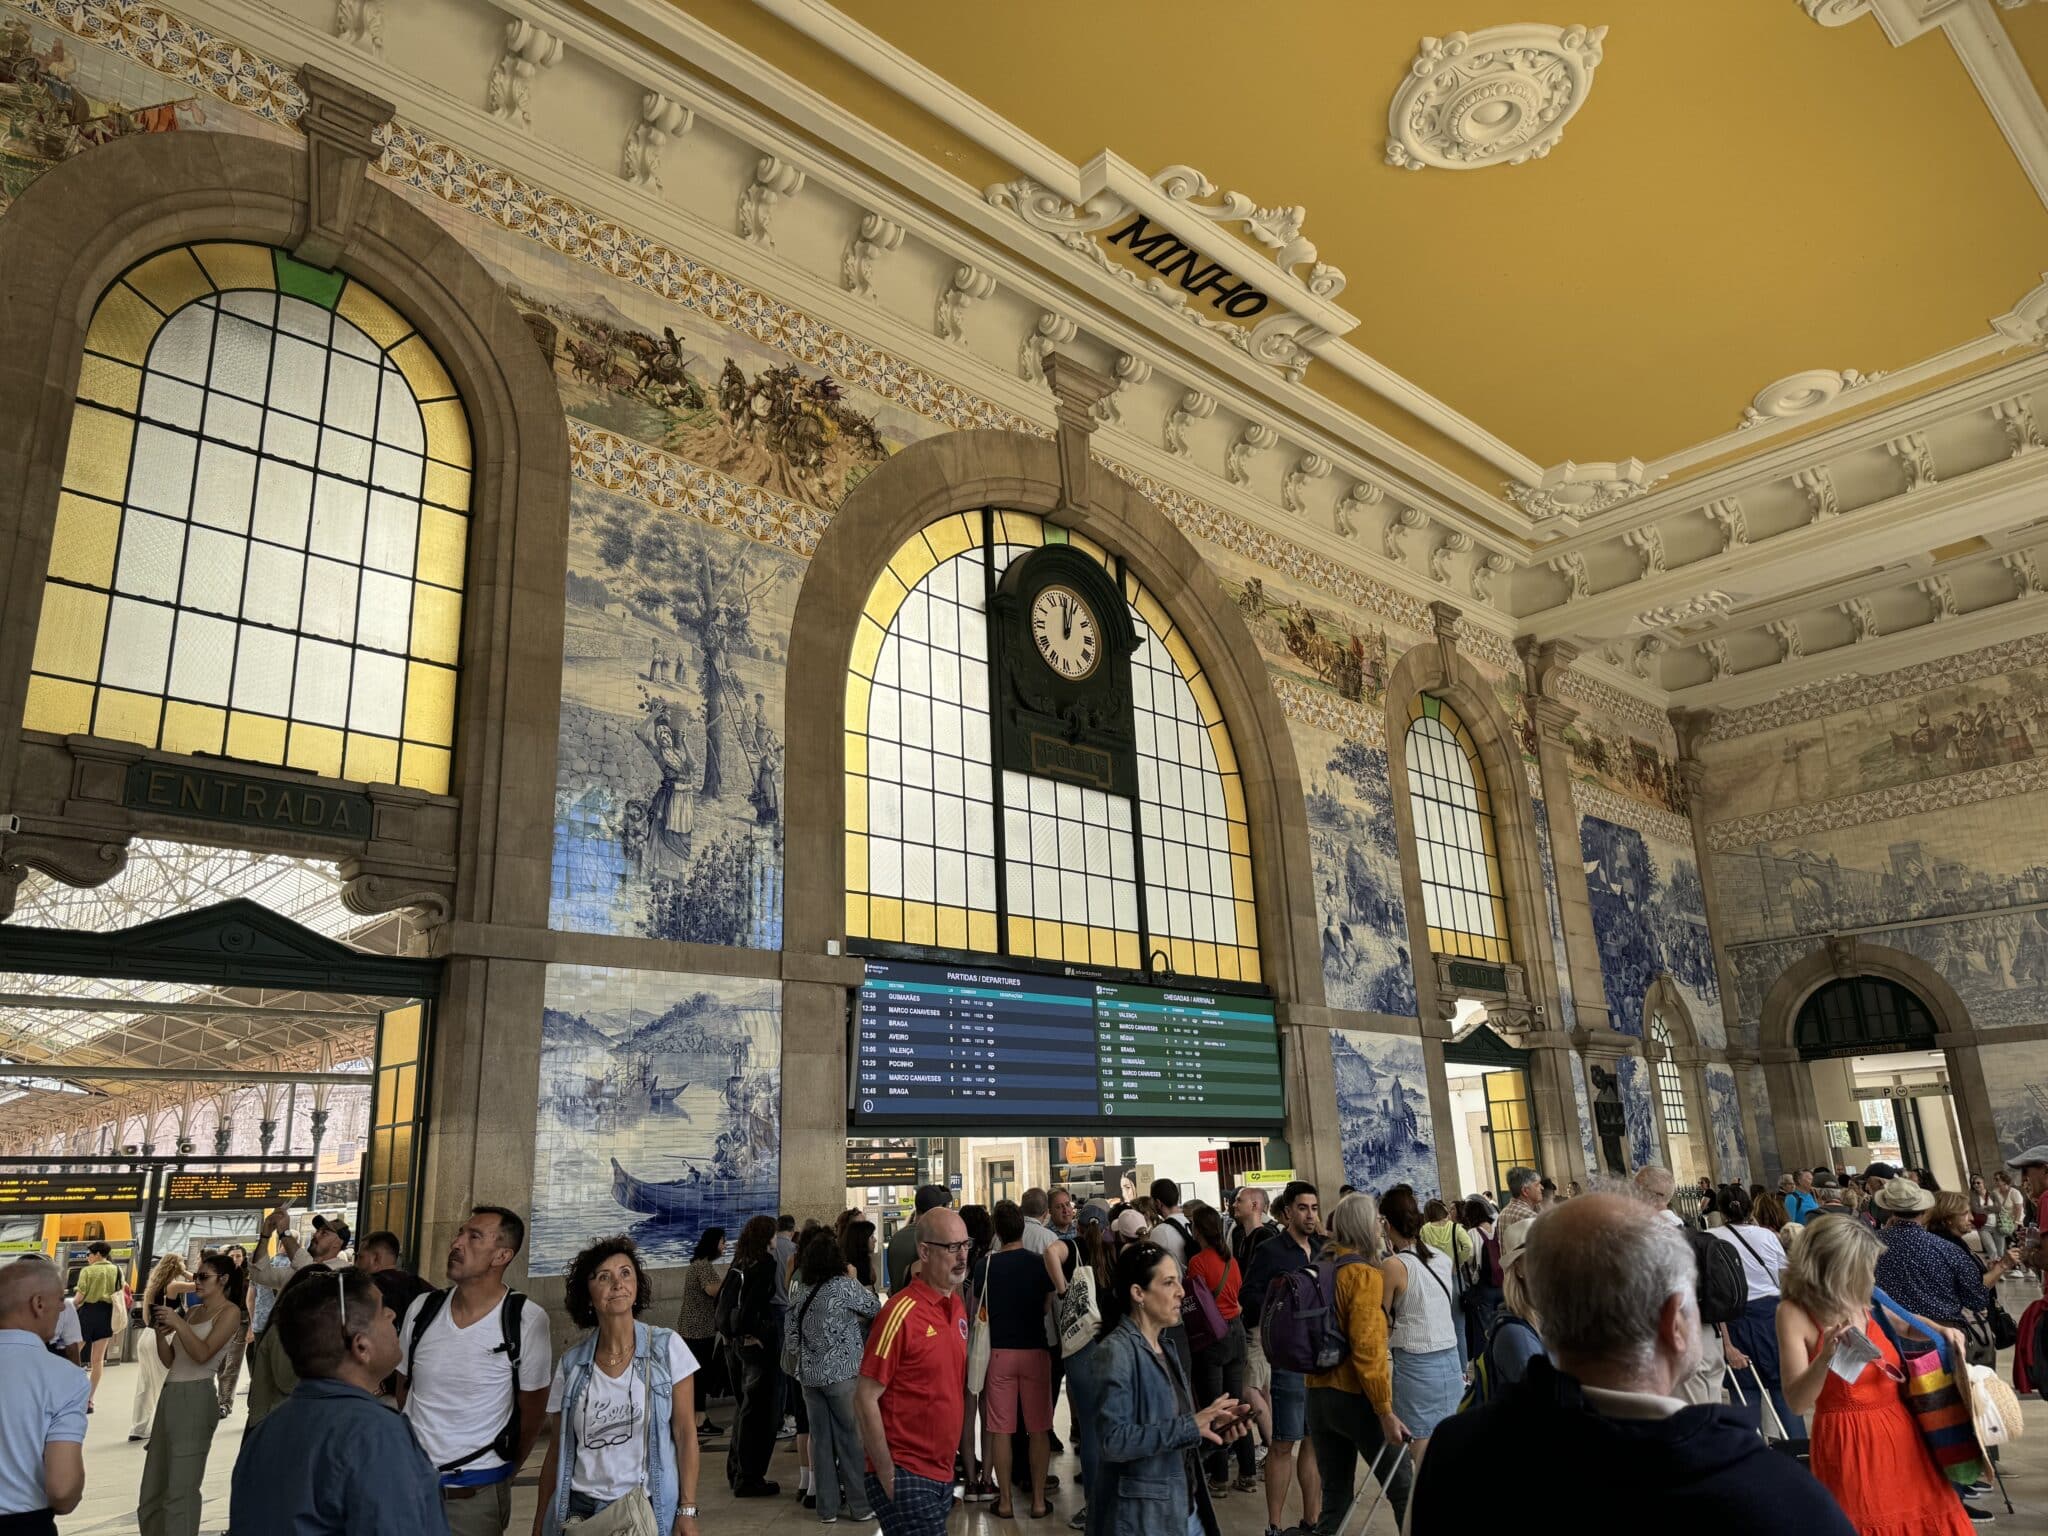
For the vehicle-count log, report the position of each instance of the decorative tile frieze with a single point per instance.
(1889, 804)
(1328, 711)
(1593, 799)
(663, 480)
(1617, 705)
(1838, 695)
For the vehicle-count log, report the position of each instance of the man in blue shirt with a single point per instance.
(330, 1459)
(1296, 1247)
(42, 1404)
(1922, 1272)
(1801, 1204)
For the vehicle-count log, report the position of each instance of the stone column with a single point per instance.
(1802, 1138)
(815, 1075)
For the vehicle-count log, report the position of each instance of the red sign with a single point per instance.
(1206, 1161)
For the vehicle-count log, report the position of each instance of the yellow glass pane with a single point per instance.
(60, 707)
(913, 562)
(123, 326)
(1205, 958)
(83, 543)
(429, 704)
(856, 861)
(124, 716)
(1127, 951)
(1240, 837)
(106, 382)
(1089, 547)
(1102, 946)
(1219, 743)
(884, 598)
(237, 266)
(423, 370)
(424, 768)
(400, 1041)
(1226, 962)
(950, 536)
(1180, 954)
(867, 645)
(69, 635)
(370, 759)
(1241, 878)
(981, 931)
(920, 923)
(885, 919)
(446, 486)
(856, 752)
(436, 623)
(1154, 615)
(1046, 939)
(447, 432)
(96, 460)
(1233, 798)
(255, 738)
(387, 1100)
(1247, 920)
(1020, 528)
(170, 281)
(1023, 937)
(316, 749)
(857, 690)
(856, 916)
(194, 728)
(952, 927)
(1248, 963)
(444, 539)
(856, 803)
(378, 320)
(1205, 699)
(1182, 653)
(1074, 942)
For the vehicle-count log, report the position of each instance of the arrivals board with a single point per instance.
(222, 1191)
(63, 1193)
(965, 1046)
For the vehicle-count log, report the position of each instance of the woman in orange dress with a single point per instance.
(1867, 1450)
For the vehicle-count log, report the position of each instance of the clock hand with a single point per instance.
(1067, 613)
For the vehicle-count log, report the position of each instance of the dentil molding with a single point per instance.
(1499, 96)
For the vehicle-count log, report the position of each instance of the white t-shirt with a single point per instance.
(611, 1434)
(460, 1391)
(1762, 1255)
(1168, 1235)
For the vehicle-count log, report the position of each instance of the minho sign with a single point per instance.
(215, 796)
(1170, 256)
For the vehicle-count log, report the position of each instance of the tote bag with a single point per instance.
(977, 1337)
(1936, 1394)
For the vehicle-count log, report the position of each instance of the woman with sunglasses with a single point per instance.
(187, 1411)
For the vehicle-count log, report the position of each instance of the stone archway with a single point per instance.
(1802, 1138)
(1663, 1000)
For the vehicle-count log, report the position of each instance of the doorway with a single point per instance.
(1879, 1081)
(1492, 1113)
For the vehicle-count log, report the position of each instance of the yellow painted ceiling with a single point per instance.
(1744, 195)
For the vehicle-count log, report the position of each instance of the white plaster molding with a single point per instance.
(1835, 13)
(1862, 618)
(1648, 543)
(1802, 393)
(1714, 604)
(1499, 96)
(1791, 646)
(969, 285)
(1294, 488)
(662, 118)
(1914, 457)
(1726, 514)
(2026, 576)
(2026, 323)
(1052, 332)
(1127, 373)
(1393, 539)
(774, 179)
(1817, 485)
(2016, 417)
(1940, 593)
(1278, 229)
(1256, 437)
(874, 235)
(1571, 565)
(1574, 492)
(1194, 406)
(528, 51)
(1648, 652)
(1454, 542)
(1361, 498)
(360, 24)
(1486, 571)
(1716, 652)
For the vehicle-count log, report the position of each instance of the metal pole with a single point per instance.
(313, 1180)
(152, 1197)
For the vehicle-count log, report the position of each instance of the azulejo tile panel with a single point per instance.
(1650, 919)
(1383, 1117)
(2017, 1076)
(1839, 695)
(1357, 870)
(1724, 1113)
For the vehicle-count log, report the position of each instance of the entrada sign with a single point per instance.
(215, 796)
(1170, 256)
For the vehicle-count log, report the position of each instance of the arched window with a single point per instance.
(1455, 842)
(259, 547)
(1670, 1085)
(1860, 1014)
(947, 851)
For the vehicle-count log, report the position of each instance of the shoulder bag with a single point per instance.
(1936, 1393)
(977, 1337)
(632, 1514)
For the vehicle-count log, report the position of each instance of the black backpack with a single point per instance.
(507, 1443)
(1723, 1287)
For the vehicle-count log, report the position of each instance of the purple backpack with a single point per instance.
(1200, 1315)
(1300, 1329)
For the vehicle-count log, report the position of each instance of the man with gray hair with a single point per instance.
(1719, 1286)
(1613, 1287)
(1525, 1189)
(42, 1405)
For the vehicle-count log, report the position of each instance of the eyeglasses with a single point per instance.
(960, 1247)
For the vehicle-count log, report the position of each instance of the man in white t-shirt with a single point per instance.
(324, 1247)
(468, 1401)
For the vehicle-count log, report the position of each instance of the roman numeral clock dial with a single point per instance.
(1064, 629)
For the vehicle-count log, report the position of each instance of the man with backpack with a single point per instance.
(473, 1374)
(1723, 1289)
(1294, 1250)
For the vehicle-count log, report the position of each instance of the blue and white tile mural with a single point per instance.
(1764, 1163)
(660, 1109)
(1366, 965)
(1641, 1112)
(1650, 918)
(1383, 1113)
(1566, 1007)
(2017, 1076)
(1724, 1114)
(668, 791)
(1587, 1143)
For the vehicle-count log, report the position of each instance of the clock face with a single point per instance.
(1063, 628)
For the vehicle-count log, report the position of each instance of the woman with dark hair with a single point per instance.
(829, 1312)
(981, 1238)
(858, 1245)
(1219, 1368)
(697, 1322)
(1092, 1276)
(1753, 1337)
(753, 1340)
(621, 1407)
(1148, 1479)
(1423, 1338)
(1483, 1297)
(187, 1411)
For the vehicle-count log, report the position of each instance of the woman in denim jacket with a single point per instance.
(621, 1409)
(1148, 1479)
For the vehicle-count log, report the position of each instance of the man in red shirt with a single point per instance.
(913, 1388)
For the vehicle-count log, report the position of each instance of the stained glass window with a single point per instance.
(1670, 1084)
(924, 803)
(1454, 835)
(260, 543)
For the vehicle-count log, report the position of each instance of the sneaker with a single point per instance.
(787, 1432)
(1978, 1516)
(1219, 1487)
(828, 1519)
(808, 1500)
(1259, 1457)
(1304, 1528)
(1079, 1521)
(1247, 1485)
(759, 1489)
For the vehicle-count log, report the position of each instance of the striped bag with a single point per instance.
(1935, 1395)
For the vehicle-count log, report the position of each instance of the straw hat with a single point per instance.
(1902, 1197)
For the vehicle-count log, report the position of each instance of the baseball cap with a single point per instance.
(1826, 1180)
(2031, 1157)
(337, 1226)
(1880, 1171)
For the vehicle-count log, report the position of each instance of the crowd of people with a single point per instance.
(1728, 1357)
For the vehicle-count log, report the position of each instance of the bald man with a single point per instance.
(1611, 1287)
(913, 1385)
(42, 1405)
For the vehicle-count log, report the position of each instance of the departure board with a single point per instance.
(60, 1193)
(223, 1191)
(943, 1046)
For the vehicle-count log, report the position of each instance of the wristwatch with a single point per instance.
(689, 1511)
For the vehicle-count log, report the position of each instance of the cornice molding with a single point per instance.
(1891, 803)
